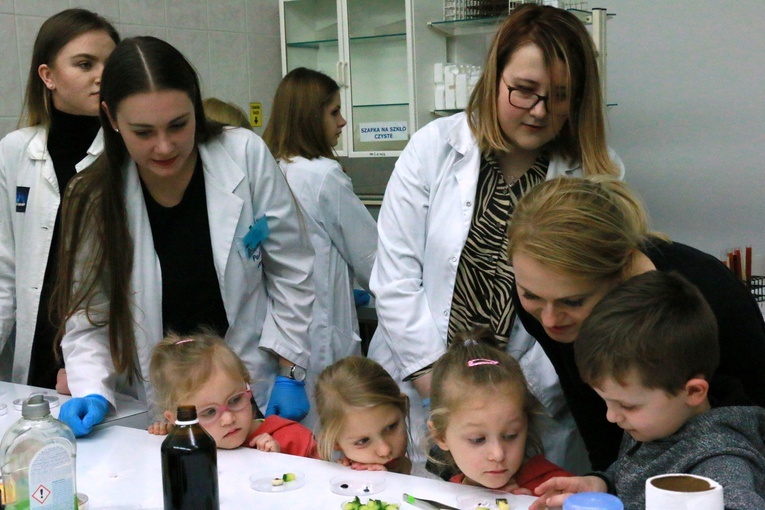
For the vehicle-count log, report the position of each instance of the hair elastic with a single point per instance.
(468, 342)
(482, 361)
(184, 341)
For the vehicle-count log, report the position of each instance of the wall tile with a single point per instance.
(10, 78)
(135, 30)
(143, 12)
(7, 124)
(227, 15)
(265, 72)
(228, 66)
(263, 17)
(26, 32)
(194, 44)
(6, 7)
(187, 13)
(38, 8)
(108, 8)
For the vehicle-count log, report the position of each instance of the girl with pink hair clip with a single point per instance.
(482, 416)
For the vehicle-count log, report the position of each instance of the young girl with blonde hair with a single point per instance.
(202, 370)
(483, 417)
(362, 414)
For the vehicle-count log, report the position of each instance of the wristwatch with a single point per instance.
(295, 372)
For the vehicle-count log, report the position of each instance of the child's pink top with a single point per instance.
(293, 438)
(531, 474)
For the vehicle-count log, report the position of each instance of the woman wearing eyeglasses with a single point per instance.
(442, 266)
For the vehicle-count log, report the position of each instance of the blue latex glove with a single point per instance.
(83, 413)
(288, 399)
(360, 297)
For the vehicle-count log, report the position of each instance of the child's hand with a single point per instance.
(554, 491)
(265, 443)
(513, 488)
(360, 466)
(160, 428)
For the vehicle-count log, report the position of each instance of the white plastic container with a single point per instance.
(38, 460)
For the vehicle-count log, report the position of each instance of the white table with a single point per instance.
(130, 412)
(119, 468)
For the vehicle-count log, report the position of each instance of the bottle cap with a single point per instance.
(52, 401)
(35, 407)
(592, 501)
(186, 415)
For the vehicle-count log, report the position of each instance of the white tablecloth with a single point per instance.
(120, 468)
(130, 412)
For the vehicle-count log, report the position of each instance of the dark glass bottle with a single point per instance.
(189, 465)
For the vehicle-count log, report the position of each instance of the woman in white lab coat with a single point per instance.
(181, 224)
(61, 136)
(442, 263)
(304, 126)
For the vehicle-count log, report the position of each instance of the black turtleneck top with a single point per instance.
(69, 138)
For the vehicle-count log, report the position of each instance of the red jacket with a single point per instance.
(293, 438)
(531, 474)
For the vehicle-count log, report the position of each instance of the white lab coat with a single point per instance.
(26, 239)
(267, 298)
(344, 237)
(423, 225)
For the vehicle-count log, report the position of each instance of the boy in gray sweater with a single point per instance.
(648, 349)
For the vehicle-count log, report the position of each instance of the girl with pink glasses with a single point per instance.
(202, 370)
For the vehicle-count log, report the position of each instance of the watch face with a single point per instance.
(298, 373)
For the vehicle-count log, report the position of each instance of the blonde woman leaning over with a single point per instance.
(573, 240)
(441, 266)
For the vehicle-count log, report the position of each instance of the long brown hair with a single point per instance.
(55, 33)
(296, 124)
(96, 252)
(562, 38)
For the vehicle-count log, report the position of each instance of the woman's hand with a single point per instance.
(62, 386)
(554, 491)
(160, 428)
(265, 443)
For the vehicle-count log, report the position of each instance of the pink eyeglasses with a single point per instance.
(235, 403)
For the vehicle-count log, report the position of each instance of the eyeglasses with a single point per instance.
(235, 403)
(525, 100)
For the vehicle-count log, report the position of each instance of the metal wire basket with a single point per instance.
(757, 287)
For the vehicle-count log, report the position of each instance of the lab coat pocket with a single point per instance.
(344, 343)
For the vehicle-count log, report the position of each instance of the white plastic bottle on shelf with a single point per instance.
(38, 460)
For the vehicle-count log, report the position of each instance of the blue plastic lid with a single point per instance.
(592, 501)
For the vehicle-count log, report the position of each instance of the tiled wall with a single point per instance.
(234, 44)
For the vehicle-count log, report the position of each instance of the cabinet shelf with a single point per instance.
(489, 25)
(333, 42)
(379, 105)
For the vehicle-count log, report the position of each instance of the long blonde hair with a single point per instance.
(354, 381)
(181, 365)
(589, 227)
(561, 37)
(454, 377)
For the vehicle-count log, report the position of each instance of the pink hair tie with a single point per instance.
(482, 361)
(184, 341)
